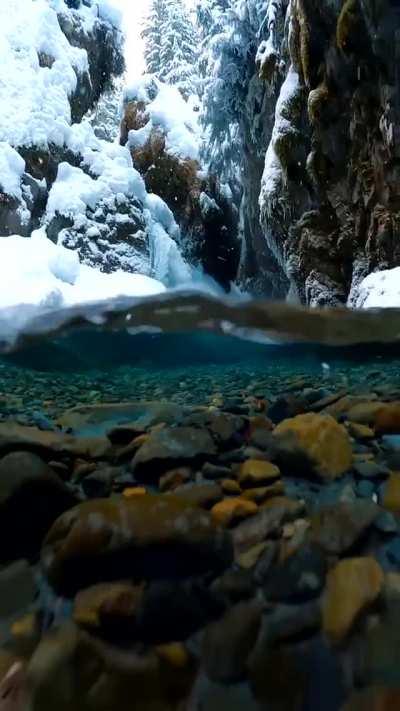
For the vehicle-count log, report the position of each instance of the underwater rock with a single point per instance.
(31, 498)
(338, 528)
(254, 473)
(322, 440)
(116, 419)
(391, 493)
(171, 447)
(352, 586)
(231, 511)
(72, 671)
(267, 522)
(17, 588)
(228, 643)
(108, 608)
(52, 443)
(299, 578)
(143, 537)
(203, 495)
(172, 611)
(387, 419)
(373, 698)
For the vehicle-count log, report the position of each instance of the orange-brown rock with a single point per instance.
(140, 537)
(72, 671)
(352, 586)
(360, 432)
(14, 436)
(391, 493)
(249, 558)
(374, 698)
(365, 412)
(322, 440)
(174, 478)
(256, 472)
(107, 602)
(230, 486)
(134, 491)
(231, 511)
(135, 117)
(387, 419)
(260, 494)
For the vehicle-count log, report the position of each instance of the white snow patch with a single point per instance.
(12, 167)
(379, 290)
(169, 112)
(35, 271)
(34, 99)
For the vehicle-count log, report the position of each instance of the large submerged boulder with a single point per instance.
(141, 538)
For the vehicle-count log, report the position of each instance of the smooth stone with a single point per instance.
(173, 611)
(267, 522)
(228, 643)
(299, 578)
(170, 447)
(143, 537)
(255, 473)
(215, 471)
(336, 529)
(231, 511)
(235, 585)
(373, 698)
(320, 439)
(365, 489)
(32, 497)
(391, 493)
(371, 470)
(109, 608)
(360, 432)
(17, 588)
(174, 478)
(352, 587)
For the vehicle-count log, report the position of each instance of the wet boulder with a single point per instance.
(31, 498)
(317, 440)
(142, 537)
(170, 447)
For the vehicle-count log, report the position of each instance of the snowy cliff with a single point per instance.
(58, 180)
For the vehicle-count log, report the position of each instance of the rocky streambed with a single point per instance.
(230, 552)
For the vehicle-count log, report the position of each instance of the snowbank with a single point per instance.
(379, 290)
(36, 271)
(167, 111)
(12, 167)
(39, 68)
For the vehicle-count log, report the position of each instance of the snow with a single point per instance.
(379, 290)
(12, 167)
(35, 271)
(167, 111)
(109, 12)
(274, 173)
(34, 105)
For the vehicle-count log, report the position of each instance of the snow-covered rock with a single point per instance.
(167, 111)
(56, 175)
(379, 290)
(37, 272)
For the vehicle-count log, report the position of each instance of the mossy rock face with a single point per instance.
(317, 102)
(348, 26)
(143, 537)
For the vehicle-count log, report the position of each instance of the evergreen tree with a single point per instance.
(153, 34)
(171, 45)
(179, 49)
